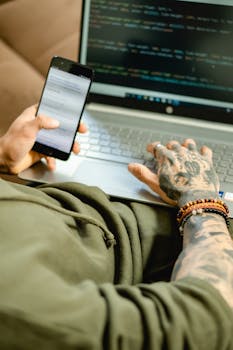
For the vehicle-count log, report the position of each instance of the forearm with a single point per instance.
(207, 254)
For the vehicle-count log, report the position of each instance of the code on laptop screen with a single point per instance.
(180, 49)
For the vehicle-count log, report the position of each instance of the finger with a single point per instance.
(30, 111)
(157, 149)
(30, 159)
(51, 163)
(82, 128)
(142, 173)
(161, 153)
(76, 148)
(174, 145)
(207, 152)
(44, 122)
(190, 144)
(151, 147)
(28, 114)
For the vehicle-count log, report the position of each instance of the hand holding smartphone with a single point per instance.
(63, 98)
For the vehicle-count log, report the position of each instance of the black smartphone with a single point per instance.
(63, 97)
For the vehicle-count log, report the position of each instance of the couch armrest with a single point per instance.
(20, 85)
(38, 30)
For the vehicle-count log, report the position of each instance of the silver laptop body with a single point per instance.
(163, 70)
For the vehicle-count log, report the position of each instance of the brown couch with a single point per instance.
(31, 32)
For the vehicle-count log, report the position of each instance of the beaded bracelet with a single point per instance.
(181, 227)
(200, 206)
(202, 201)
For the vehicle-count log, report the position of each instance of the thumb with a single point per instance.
(142, 173)
(44, 122)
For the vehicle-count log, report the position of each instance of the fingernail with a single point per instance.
(131, 166)
(54, 123)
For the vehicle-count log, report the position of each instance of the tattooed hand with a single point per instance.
(183, 173)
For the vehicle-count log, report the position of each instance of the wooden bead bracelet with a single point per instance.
(200, 206)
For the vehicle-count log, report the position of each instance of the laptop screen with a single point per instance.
(169, 56)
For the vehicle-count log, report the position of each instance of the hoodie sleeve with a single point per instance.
(188, 314)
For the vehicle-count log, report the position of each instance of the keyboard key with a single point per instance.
(116, 151)
(223, 164)
(94, 141)
(85, 146)
(105, 150)
(94, 148)
(229, 179)
(230, 172)
(221, 170)
(104, 142)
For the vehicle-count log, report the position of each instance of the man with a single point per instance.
(80, 270)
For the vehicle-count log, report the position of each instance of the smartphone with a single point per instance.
(63, 97)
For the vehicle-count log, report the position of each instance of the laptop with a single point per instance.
(163, 70)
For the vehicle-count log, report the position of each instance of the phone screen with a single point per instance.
(63, 98)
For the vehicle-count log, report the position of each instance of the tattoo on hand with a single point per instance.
(191, 172)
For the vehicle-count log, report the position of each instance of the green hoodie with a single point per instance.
(81, 271)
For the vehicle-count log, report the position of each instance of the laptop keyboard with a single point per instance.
(126, 145)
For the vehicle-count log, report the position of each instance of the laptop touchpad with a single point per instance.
(114, 179)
